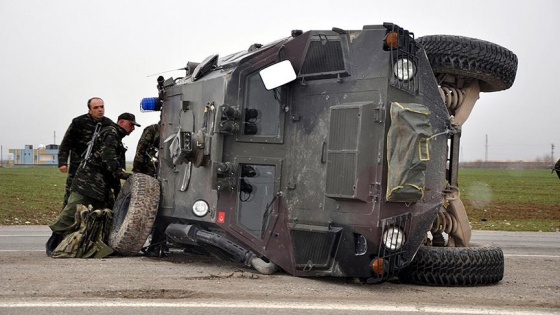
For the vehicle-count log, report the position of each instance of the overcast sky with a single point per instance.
(56, 54)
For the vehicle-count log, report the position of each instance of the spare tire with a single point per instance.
(493, 65)
(455, 266)
(134, 214)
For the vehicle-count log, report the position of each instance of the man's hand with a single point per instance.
(123, 174)
(63, 169)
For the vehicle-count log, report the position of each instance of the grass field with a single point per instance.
(511, 200)
(30, 195)
(508, 200)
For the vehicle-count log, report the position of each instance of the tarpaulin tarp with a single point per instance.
(90, 236)
(408, 151)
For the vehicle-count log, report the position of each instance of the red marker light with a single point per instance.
(221, 217)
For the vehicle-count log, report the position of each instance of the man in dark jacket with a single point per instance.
(97, 179)
(76, 140)
(145, 158)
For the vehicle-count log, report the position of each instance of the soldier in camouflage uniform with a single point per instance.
(76, 140)
(97, 179)
(144, 160)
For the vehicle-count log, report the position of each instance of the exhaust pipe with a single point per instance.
(266, 268)
(189, 234)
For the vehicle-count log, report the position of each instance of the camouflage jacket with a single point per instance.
(76, 139)
(104, 170)
(146, 149)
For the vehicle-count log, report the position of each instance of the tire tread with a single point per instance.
(455, 266)
(129, 234)
(494, 65)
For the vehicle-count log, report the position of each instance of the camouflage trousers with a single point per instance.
(67, 216)
(67, 190)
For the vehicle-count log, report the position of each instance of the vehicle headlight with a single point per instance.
(404, 69)
(393, 238)
(200, 208)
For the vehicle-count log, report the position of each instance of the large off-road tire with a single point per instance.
(135, 211)
(493, 65)
(455, 266)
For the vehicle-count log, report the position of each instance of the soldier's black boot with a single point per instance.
(53, 242)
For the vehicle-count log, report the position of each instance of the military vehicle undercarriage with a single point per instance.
(326, 153)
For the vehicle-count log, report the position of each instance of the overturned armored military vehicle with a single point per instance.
(326, 153)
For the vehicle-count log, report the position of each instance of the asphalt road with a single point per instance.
(31, 283)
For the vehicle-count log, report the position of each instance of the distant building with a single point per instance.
(44, 155)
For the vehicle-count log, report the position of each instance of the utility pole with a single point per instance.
(552, 152)
(486, 150)
(54, 138)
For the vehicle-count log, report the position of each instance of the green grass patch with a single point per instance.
(511, 200)
(30, 195)
(495, 199)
